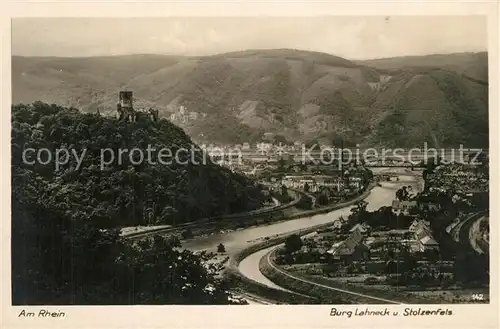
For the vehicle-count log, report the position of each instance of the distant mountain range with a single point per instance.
(288, 94)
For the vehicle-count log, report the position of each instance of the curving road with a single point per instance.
(469, 233)
(268, 259)
(379, 197)
(237, 240)
(476, 238)
(247, 267)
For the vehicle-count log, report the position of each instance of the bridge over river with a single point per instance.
(373, 157)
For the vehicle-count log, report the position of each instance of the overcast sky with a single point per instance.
(349, 37)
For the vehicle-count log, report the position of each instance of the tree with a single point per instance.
(409, 261)
(367, 175)
(280, 139)
(322, 199)
(431, 163)
(119, 194)
(391, 267)
(293, 243)
(281, 164)
(80, 264)
(359, 213)
(483, 162)
(65, 222)
(306, 187)
(305, 202)
(187, 234)
(221, 248)
(402, 194)
(284, 190)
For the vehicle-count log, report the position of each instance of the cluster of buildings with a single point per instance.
(360, 245)
(249, 161)
(315, 183)
(363, 243)
(259, 152)
(420, 238)
(182, 115)
(403, 207)
(263, 151)
(458, 178)
(381, 249)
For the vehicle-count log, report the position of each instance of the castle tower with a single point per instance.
(125, 105)
(126, 100)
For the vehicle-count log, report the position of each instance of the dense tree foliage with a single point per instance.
(122, 193)
(65, 241)
(402, 194)
(247, 94)
(381, 219)
(305, 203)
(59, 262)
(293, 243)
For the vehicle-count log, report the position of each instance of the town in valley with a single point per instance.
(306, 173)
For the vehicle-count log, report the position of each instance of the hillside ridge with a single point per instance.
(298, 95)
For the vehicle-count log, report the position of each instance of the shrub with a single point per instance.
(221, 248)
(293, 243)
(187, 234)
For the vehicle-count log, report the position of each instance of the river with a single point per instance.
(380, 196)
(234, 241)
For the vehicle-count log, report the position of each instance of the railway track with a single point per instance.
(343, 291)
(463, 230)
(217, 220)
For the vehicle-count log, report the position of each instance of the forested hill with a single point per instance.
(297, 95)
(60, 252)
(120, 193)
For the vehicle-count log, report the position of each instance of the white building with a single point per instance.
(264, 147)
(193, 115)
(355, 182)
(315, 183)
(423, 240)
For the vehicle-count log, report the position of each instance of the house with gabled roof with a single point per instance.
(427, 242)
(351, 248)
(363, 228)
(423, 236)
(419, 224)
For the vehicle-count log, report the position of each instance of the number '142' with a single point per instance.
(477, 297)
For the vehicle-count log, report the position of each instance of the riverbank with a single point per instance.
(246, 285)
(237, 238)
(324, 291)
(376, 197)
(256, 217)
(337, 290)
(234, 274)
(331, 291)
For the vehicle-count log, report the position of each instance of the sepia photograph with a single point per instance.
(333, 160)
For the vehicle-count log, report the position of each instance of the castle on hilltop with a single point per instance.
(126, 111)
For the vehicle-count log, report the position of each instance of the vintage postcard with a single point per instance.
(261, 166)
